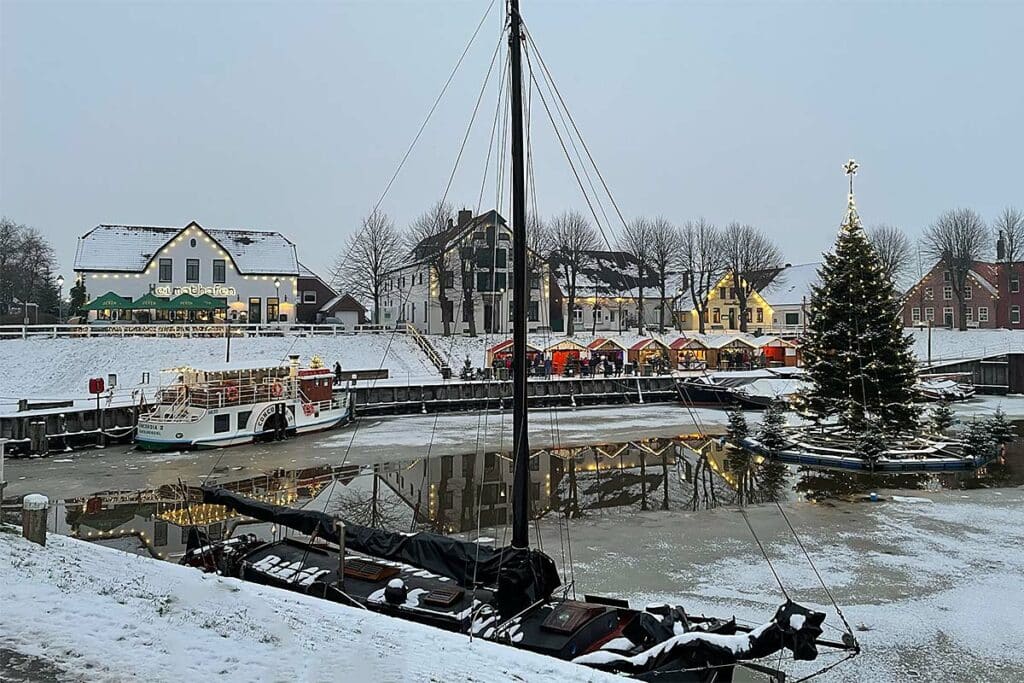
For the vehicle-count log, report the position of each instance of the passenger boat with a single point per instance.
(237, 404)
(511, 594)
(755, 389)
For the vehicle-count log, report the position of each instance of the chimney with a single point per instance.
(1001, 247)
(465, 216)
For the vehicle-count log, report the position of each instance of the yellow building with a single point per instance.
(723, 310)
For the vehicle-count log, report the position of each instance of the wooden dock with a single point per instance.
(54, 426)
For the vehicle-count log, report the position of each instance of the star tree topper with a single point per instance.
(852, 220)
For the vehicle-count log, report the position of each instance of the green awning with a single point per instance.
(184, 302)
(150, 301)
(108, 301)
(211, 302)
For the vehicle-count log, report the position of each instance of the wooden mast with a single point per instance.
(520, 296)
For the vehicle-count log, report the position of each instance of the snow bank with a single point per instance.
(109, 616)
(61, 368)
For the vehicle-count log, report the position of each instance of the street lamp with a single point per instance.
(60, 299)
(277, 287)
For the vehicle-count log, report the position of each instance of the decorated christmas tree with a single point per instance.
(859, 362)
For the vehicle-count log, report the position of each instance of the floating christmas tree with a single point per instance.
(859, 363)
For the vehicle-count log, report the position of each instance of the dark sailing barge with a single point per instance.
(507, 595)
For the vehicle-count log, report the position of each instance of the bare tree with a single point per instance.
(368, 256)
(571, 238)
(893, 249)
(1009, 229)
(433, 240)
(538, 249)
(957, 239)
(664, 257)
(636, 241)
(747, 251)
(703, 262)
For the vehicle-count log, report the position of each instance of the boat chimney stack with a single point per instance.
(293, 365)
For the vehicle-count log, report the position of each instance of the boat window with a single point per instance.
(221, 423)
(243, 418)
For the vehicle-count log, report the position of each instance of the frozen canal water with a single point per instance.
(932, 577)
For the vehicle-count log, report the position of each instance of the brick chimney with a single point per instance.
(465, 216)
(1001, 247)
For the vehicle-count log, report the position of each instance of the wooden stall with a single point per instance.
(778, 352)
(688, 353)
(500, 355)
(611, 349)
(650, 352)
(731, 352)
(566, 353)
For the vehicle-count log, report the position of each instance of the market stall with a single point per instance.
(732, 352)
(567, 355)
(688, 353)
(648, 354)
(500, 355)
(611, 349)
(778, 352)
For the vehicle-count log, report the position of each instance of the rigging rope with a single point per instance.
(764, 553)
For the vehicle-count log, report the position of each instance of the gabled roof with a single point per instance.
(687, 343)
(609, 273)
(605, 342)
(343, 302)
(305, 272)
(566, 345)
(130, 248)
(644, 343)
(429, 245)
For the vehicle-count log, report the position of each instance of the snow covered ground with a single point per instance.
(61, 368)
(100, 614)
(954, 344)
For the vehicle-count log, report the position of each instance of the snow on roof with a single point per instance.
(608, 273)
(129, 248)
(718, 341)
(790, 285)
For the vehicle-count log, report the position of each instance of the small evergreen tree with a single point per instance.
(772, 431)
(979, 442)
(858, 360)
(871, 444)
(942, 418)
(1001, 429)
(78, 297)
(737, 429)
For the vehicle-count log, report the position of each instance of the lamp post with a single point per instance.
(277, 287)
(60, 299)
(593, 330)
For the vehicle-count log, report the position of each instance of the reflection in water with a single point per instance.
(462, 493)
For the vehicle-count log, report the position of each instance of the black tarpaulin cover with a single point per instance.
(522, 576)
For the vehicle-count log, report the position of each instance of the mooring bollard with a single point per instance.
(33, 517)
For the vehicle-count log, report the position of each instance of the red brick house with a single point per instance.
(992, 298)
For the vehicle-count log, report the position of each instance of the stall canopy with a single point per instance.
(646, 348)
(150, 301)
(503, 350)
(688, 350)
(564, 352)
(108, 301)
(611, 349)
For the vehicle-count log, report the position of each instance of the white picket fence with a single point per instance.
(183, 331)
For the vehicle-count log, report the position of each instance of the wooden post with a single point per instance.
(339, 526)
(33, 517)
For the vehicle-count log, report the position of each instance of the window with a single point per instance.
(533, 312)
(929, 313)
(721, 292)
(716, 316)
(483, 282)
(192, 270)
(969, 314)
(309, 296)
(982, 314)
(166, 271)
(1014, 314)
(534, 281)
(478, 235)
(505, 236)
(501, 258)
(1014, 283)
(218, 270)
(929, 293)
(273, 309)
(792, 318)
(449, 279)
(915, 315)
(192, 243)
(746, 315)
(947, 316)
(947, 293)
(500, 281)
(760, 315)
(243, 418)
(221, 423)
(947, 276)
(967, 293)
(577, 313)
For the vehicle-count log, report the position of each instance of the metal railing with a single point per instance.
(129, 329)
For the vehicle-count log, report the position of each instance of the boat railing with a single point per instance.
(213, 395)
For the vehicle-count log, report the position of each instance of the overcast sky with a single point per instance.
(292, 116)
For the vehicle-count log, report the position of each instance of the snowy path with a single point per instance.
(104, 615)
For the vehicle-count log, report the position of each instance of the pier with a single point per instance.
(39, 428)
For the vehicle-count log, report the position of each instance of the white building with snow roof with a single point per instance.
(253, 273)
(788, 293)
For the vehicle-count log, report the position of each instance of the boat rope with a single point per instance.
(828, 668)
(764, 553)
(807, 555)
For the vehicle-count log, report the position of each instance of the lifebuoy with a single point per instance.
(232, 393)
(277, 389)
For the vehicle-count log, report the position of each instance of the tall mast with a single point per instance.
(520, 297)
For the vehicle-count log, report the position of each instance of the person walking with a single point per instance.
(337, 372)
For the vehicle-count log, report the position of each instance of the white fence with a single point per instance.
(186, 331)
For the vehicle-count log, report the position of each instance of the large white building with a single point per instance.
(254, 273)
(477, 259)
